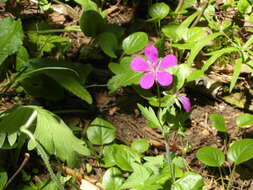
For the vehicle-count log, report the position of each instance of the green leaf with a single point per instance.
(240, 151)
(2, 139)
(218, 122)
(170, 31)
(125, 157)
(244, 6)
(249, 41)
(3, 179)
(137, 178)
(125, 76)
(195, 34)
(211, 156)
(158, 11)
(194, 75)
(134, 42)
(216, 55)
(108, 43)
(22, 59)
(12, 138)
(101, 132)
(150, 115)
(198, 46)
(112, 179)
(57, 138)
(236, 73)
(11, 36)
(245, 119)
(140, 145)
(91, 23)
(190, 181)
(71, 83)
(108, 155)
(87, 4)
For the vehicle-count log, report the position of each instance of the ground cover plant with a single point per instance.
(126, 94)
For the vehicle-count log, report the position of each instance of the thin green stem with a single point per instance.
(179, 6)
(222, 180)
(231, 177)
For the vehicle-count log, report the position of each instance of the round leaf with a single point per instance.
(101, 132)
(108, 43)
(135, 42)
(112, 179)
(91, 23)
(241, 151)
(140, 145)
(211, 156)
(218, 122)
(158, 11)
(244, 120)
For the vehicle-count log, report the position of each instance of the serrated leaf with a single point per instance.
(150, 115)
(236, 73)
(112, 179)
(125, 157)
(57, 138)
(108, 43)
(158, 11)
(198, 46)
(215, 55)
(245, 119)
(218, 122)
(11, 37)
(241, 151)
(211, 156)
(124, 75)
(190, 181)
(101, 132)
(134, 42)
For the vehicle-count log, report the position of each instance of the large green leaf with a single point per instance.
(101, 132)
(108, 43)
(241, 151)
(158, 11)
(135, 42)
(245, 119)
(11, 36)
(57, 138)
(92, 23)
(124, 75)
(3, 179)
(140, 145)
(218, 122)
(211, 156)
(190, 181)
(112, 179)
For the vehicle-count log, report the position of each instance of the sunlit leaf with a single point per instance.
(218, 122)
(245, 119)
(112, 179)
(134, 42)
(158, 11)
(236, 73)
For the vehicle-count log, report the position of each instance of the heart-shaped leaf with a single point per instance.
(241, 151)
(211, 156)
(135, 42)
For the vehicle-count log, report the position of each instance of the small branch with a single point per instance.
(200, 15)
(27, 156)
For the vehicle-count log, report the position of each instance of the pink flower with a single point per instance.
(186, 103)
(153, 68)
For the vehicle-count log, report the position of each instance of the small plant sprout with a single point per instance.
(154, 68)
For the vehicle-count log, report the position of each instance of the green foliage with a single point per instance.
(101, 132)
(108, 43)
(158, 11)
(240, 151)
(244, 120)
(112, 179)
(190, 181)
(140, 145)
(124, 75)
(211, 156)
(218, 122)
(3, 179)
(11, 37)
(237, 71)
(134, 42)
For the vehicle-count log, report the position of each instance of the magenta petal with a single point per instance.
(186, 103)
(147, 80)
(168, 61)
(164, 78)
(139, 65)
(151, 53)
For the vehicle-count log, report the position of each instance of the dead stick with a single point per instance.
(27, 156)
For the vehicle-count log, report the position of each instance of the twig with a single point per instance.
(27, 156)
